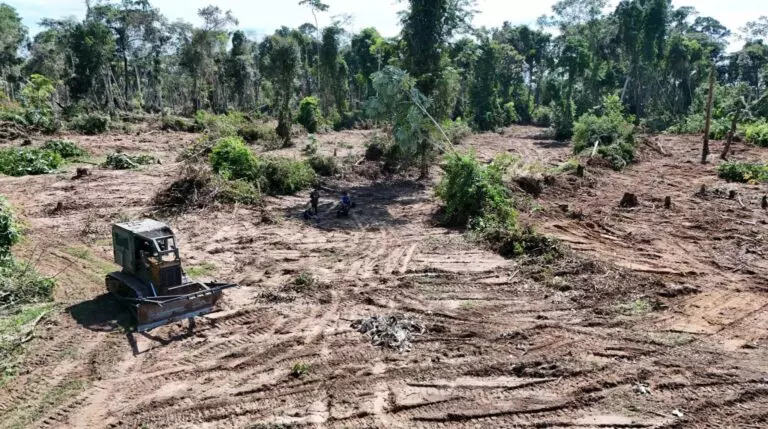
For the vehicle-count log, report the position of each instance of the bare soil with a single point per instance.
(653, 318)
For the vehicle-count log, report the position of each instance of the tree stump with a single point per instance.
(668, 203)
(580, 171)
(764, 204)
(630, 200)
(82, 172)
(732, 194)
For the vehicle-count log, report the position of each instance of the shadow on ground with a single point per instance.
(102, 314)
(372, 204)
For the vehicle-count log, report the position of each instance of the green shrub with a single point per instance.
(757, 134)
(743, 172)
(309, 114)
(19, 282)
(177, 123)
(10, 230)
(66, 148)
(285, 176)
(457, 131)
(123, 161)
(325, 166)
(25, 161)
(253, 133)
(474, 194)
(542, 116)
(90, 124)
(562, 119)
(376, 147)
(234, 160)
(611, 130)
(510, 114)
(218, 126)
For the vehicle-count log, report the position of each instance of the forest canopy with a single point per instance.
(125, 56)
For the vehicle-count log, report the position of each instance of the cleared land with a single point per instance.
(657, 318)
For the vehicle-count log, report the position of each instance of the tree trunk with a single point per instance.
(195, 95)
(708, 118)
(125, 77)
(727, 148)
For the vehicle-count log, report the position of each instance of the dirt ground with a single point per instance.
(656, 318)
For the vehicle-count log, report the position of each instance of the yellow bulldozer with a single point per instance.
(152, 283)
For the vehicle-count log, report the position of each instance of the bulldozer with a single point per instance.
(152, 283)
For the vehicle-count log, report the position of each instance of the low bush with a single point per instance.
(542, 116)
(510, 114)
(177, 123)
(234, 160)
(457, 131)
(90, 124)
(20, 283)
(757, 134)
(376, 147)
(562, 119)
(285, 176)
(743, 172)
(694, 124)
(309, 114)
(66, 148)
(474, 194)
(611, 131)
(218, 126)
(325, 166)
(347, 120)
(253, 133)
(123, 161)
(26, 161)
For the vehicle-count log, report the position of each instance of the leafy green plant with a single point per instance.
(300, 369)
(312, 147)
(123, 161)
(510, 114)
(611, 131)
(562, 119)
(25, 161)
(542, 116)
(253, 133)
(177, 123)
(90, 124)
(10, 230)
(66, 148)
(309, 114)
(743, 172)
(757, 134)
(234, 160)
(305, 280)
(218, 126)
(474, 194)
(457, 131)
(285, 176)
(325, 166)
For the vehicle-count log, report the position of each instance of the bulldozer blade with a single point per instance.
(153, 315)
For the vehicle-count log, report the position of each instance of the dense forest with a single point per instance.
(647, 59)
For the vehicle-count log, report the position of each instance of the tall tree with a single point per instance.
(427, 26)
(283, 65)
(12, 35)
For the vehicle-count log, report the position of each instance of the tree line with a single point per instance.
(126, 56)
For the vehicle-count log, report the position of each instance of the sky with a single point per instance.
(259, 17)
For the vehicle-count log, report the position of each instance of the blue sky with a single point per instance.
(263, 16)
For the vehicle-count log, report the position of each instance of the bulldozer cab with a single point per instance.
(147, 249)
